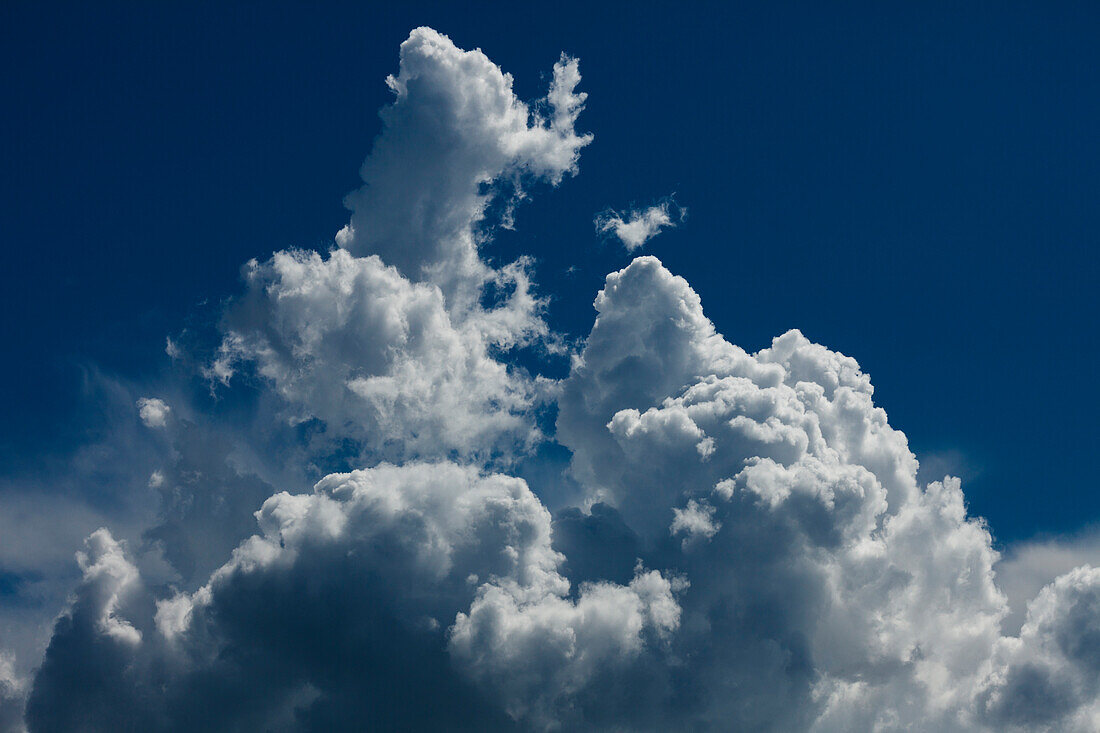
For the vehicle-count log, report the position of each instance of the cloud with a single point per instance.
(1027, 567)
(153, 412)
(455, 127)
(637, 226)
(381, 360)
(422, 559)
(793, 575)
(752, 547)
(391, 340)
(817, 564)
(1049, 677)
(696, 520)
(11, 697)
(206, 503)
(93, 642)
(46, 513)
(806, 487)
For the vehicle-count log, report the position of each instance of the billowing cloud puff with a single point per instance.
(350, 604)
(753, 550)
(11, 697)
(389, 340)
(455, 127)
(827, 590)
(79, 684)
(153, 412)
(1028, 566)
(1049, 677)
(801, 579)
(381, 360)
(636, 227)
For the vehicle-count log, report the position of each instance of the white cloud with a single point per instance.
(107, 576)
(696, 520)
(538, 655)
(754, 551)
(153, 412)
(454, 127)
(47, 512)
(388, 340)
(831, 591)
(817, 586)
(635, 227)
(381, 360)
(1027, 567)
(1049, 677)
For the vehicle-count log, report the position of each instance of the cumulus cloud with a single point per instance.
(1048, 678)
(1029, 566)
(455, 127)
(753, 549)
(793, 575)
(153, 412)
(828, 590)
(428, 560)
(91, 641)
(382, 360)
(391, 339)
(47, 512)
(11, 696)
(635, 227)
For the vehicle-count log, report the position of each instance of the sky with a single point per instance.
(202, 313)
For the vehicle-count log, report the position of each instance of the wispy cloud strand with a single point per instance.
(635, 227)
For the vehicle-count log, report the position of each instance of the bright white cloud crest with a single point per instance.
(454, 127)
(754, 552)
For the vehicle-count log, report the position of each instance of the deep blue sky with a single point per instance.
(914, 186)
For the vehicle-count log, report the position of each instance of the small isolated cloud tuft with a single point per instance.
(153, 412)
(635, 227)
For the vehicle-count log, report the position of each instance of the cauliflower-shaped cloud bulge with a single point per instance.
(380, 360)
(454, 127)
(828, 590)
(1049, 677)
(753, 551)
(388, 339)
(343, 610)
(799, 578)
